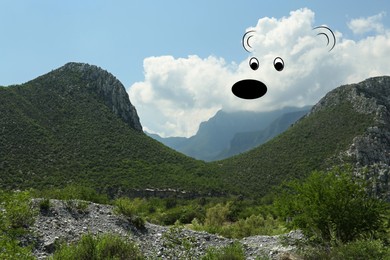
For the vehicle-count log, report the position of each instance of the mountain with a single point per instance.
(215, 135)
(77, 125)
(351, 124)
(245, 141)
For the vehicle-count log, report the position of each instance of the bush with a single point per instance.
(253, 225)
(183, 213)
(361, 249)
(178, 244)
(331, 206)
(231, 252)
(170, 203)
(217, 222)
(111, 246)
(11, 249)
(77, 206)
(128, 208)
(18, 210)
(357, 250)
(138, 222)
(16, 214)
(44, 205)
(125, 207)
(216, 215)
(107, 246)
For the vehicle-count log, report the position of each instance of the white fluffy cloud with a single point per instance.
(369, 24)
(178, 94)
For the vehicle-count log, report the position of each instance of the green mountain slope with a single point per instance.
(316, 141)
(60, 128)
(76, 125)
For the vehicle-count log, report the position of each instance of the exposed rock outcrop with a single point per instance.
(110, 89)
(370, 152)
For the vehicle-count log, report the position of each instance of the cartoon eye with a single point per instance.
(254, 63)
(278, 64)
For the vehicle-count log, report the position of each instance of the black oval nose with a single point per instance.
(249, 89)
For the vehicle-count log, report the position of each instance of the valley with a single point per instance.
(73, 135)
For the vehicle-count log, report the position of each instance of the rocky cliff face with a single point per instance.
(109, 89)
(370, 152)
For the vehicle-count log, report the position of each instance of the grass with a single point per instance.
(231, 252)
(107, 246)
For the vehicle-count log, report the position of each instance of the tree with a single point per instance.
(331, 205)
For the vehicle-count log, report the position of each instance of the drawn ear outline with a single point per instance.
(245, 40)
(326, 35)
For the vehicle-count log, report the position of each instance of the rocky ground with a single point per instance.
(64, 222)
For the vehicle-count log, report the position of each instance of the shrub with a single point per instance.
(331, 206)
(77, 206)
(114, 247)
(185, 214)
(361, 249)
(128, 208)
(19, 212)
(253, 225)
(106, 246)
(10, 249)
(124, 206)
(216, 215)
(356, 250)
(178, 244)
(231, 252)
(44, 205)
(16, 214)
(138, 222)
(217, 222)
(170, 203)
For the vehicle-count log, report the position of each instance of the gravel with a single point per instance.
(61, 223)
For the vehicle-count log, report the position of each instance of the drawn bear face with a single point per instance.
(252, 88)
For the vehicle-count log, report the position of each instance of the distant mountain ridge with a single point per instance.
(242, 142)
(214, 137)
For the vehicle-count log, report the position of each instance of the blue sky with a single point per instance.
(38, 36)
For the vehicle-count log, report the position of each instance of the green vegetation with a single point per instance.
(72, 192)
(59, 137)
(106, 246)
(217, 221)
(128, 208)
(339, 218)
(356, 250)
(308, 145)
(44, 205)
(332, 206)
(180, 246)
(231, 252)
(16, 215)
(228, 217)
(57, 130)
(77, 206)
